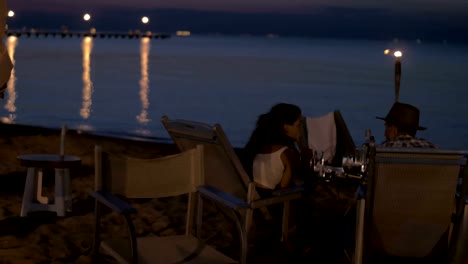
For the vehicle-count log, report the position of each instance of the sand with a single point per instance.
(42, 237)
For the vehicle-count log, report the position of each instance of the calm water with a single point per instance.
(124, 86)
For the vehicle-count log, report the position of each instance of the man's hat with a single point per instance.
(403, 115)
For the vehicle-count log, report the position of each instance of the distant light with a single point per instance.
(86, 17)
(11, 40)
(145, 20)
(11, 13)
(386, 52)
(397, 54)
(183, 33)
(87, 39)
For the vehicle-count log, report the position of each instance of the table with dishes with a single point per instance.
(339, 178)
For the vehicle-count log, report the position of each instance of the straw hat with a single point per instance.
(403, 115)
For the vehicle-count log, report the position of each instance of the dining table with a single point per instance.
(33, 200)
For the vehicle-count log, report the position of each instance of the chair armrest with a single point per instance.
(222, 197)
(113, 202)
(276, 199)
(294, 189)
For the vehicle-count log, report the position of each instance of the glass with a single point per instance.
(352, 164)
(359, 157)
(318, 162)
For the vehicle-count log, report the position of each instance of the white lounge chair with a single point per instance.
(226, 181)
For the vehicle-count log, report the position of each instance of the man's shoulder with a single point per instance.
(407, 142)
(423, 143)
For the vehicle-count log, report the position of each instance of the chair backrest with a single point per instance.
(411, 199)
(344, 141)
(329, 134)
(150, 178)
(223, 168)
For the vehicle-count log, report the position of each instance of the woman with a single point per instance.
(272, 156)
(275, 162)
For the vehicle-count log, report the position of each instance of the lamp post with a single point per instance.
(92, 31)
(397, 55)
(145, 20)
(87, 19)
(10, 14)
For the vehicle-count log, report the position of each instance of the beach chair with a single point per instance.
(460, 251)
(151, 178)
(226, 181)
(330, 135)
(407, 213)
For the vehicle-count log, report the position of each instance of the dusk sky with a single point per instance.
(435, 20)
(248, 6)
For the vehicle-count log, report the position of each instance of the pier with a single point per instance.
(70, 34)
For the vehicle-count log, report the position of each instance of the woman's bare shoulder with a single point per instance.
(290, 156)
(270, 149)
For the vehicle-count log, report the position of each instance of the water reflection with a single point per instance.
(12, 42)
(86, 46)
(142, 118)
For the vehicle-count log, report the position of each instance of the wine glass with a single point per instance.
(352, 164)
(318, 161)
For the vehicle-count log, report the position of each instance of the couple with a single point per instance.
(275, 162)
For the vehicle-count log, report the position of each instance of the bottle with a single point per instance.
(365, 149)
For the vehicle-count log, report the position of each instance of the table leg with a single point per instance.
(67, 188)
(59, 203)
(39, 197)
(28, 192)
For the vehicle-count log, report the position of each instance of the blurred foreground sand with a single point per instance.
(45, 238)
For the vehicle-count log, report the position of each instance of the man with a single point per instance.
(401, 125)
(5, 62)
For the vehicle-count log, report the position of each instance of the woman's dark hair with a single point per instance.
(269, 130)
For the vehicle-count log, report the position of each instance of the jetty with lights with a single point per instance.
(65, 33)
(92, 33)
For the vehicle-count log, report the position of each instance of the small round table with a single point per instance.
(33, 187)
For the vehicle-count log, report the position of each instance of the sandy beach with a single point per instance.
(43, 237)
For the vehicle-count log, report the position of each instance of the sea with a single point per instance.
(122, 87)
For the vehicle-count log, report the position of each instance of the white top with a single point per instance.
(268, 169)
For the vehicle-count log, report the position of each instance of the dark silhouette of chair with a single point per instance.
(409, 207)
(226, 182)
(152, 178)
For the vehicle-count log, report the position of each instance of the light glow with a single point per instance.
(86, 17)
(142, 118)
(11, 43)
(397, 54)
(144, 20)
(11, 13)
(183, 33)
(386, 52)
(87, 47)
